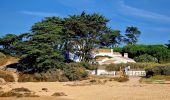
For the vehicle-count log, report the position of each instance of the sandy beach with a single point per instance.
(131, 90)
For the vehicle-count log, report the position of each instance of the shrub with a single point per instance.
(74, 71)
(154, 78)
(135, 66)
(51, 75)
(2, 55)
(44, 89)
(160, 77)
(18, 92)
(145, 58)
(58, 94)
(161, 69)
(3, 59)
(6, 76)
(22, 89)
(121, 79)
(114, 67)
(166, 70)
(71, 71)
(27, 78)
(88, 65)
(158, 70)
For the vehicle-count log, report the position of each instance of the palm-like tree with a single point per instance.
(132, 34)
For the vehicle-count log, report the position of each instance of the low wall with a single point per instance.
(136, 73)
(105, 72)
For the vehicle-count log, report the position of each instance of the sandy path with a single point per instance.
(35, 98)
(131, 90)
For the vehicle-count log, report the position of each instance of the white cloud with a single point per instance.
(43, 14)
(142, 13)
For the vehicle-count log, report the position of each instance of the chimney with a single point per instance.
(111, 51)
(126, 55)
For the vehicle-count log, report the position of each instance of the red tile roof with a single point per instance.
(110, 61)
(100, 58)
(116, 53)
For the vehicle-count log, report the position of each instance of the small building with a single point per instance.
(108, 56)
(105, 56)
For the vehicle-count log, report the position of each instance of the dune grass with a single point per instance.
(18, 92)
(156, 78)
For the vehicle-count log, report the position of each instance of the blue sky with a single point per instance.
(152, 17)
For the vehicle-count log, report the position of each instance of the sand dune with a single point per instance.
(132, 90)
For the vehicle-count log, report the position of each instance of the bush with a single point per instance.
(121, 79)
(145, 58)
(27, 78)
(166, 70)
(51, 75)
(2, 55)
(3, 59)
(18, 92)
(6, 76)
(154, 78)
(74, 71)
(71, 71)
(114, 67)
(134, 66)
(88, 65)
(160, 77)
(59, 94)
(161, 70)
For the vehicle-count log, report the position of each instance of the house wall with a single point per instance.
(102, 72)
(113, 73)
(136, 73)
(106, 54)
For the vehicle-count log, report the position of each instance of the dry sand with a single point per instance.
(131, 90)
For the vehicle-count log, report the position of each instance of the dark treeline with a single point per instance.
(49, 42)
(146, 53)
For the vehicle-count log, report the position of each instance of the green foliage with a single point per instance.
(155, 78)
(88, 65)
(112, 39)
(74, 71)
(117, 49)
(114, 67)
(160, 70)
(158, 51)
(134, 66)
(132, 33)
(51, 75)
(168, 44)
(53, 38)
(82, 33)
(145, 58)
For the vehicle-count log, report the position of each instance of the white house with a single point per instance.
(105, 56)
(108, 56)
